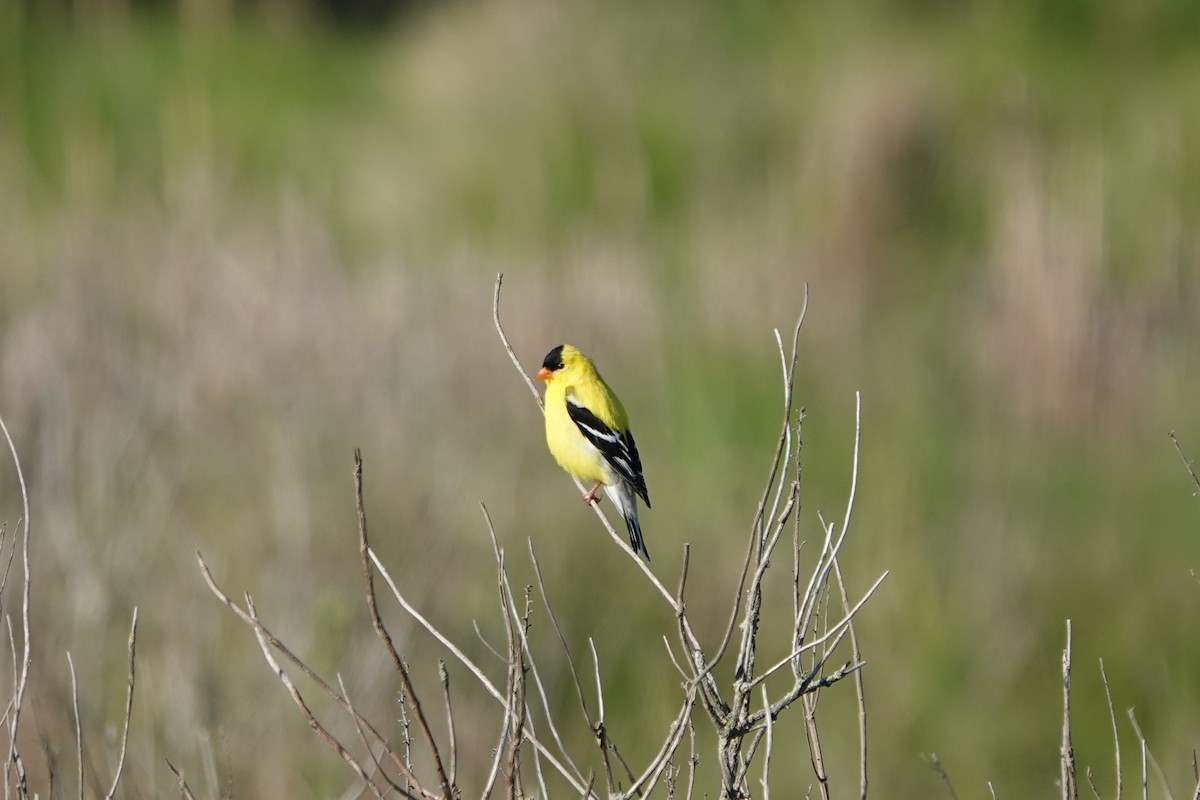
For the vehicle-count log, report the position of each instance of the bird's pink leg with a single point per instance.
(590, 497)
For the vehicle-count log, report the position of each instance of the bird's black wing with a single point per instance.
(618, 449)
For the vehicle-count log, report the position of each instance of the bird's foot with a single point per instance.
(590, 497)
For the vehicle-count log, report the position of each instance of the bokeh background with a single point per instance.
(239, 239)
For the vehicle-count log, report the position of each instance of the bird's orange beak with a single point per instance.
(544, 374)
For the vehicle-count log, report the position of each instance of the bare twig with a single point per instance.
(764, 536)
(1112, 716)
(444, 676)
(184, 789)
(515, 694)
(936, 763)
(1187, 464)
(264, 645)
(815, 751)
(498, 754)
(511, 731)
(12, 648)
(128, 705)
(777, 463)
(362, 737)
(537, 571)
(522, 631)
(15, 763)
(1145, 778)
(410, 694)
(644, 785)
(693, 760)
(832, 548)
(261, 632)
(835, 630)
(599, 729)
(577, 782)
(859, 689)
(1070, 791)
(766, 782)
(1149, 756)
(484, 641)
(512, 354)
(78, 727)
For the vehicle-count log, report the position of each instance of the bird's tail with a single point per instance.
(625, 499)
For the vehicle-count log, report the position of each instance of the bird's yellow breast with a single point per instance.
(570, 448)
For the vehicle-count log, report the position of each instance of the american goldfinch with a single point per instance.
(588, 433)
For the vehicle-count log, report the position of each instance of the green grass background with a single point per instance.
(237, 244)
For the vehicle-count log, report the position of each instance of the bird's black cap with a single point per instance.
(553, 360)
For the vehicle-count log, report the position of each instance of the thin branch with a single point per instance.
(859, 689)
(264, 645)
(854, 467)
(515, 693)
(770, 720)
(362, 737)
(12, 648)
(537, 571)
(599, 729)
(1145, 779)
(410, 693)
(787, 436)
(1149, 756)
(498, 754)
(577, 783)
(514, 700)
(1112, 717)
(671, 655)
(508, 347)
(816, 753)
(184, 789)
(8, 562)
(537, 769)
(777, 461)
(14, 720)
(128, 705)
(1067, 779)
(78, 726)
(486, 644)
(262, 632)
(1187, 464)
(444, 676)
(833, 631)
(936, 763)
(693, 760)
(830, 552)
(755, 736)
(522, 630)
(644, 785)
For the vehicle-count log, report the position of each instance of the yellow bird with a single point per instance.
(588, 433)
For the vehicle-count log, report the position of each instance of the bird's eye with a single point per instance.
(553, 360)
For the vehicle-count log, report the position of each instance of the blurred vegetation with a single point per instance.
(239, 239)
